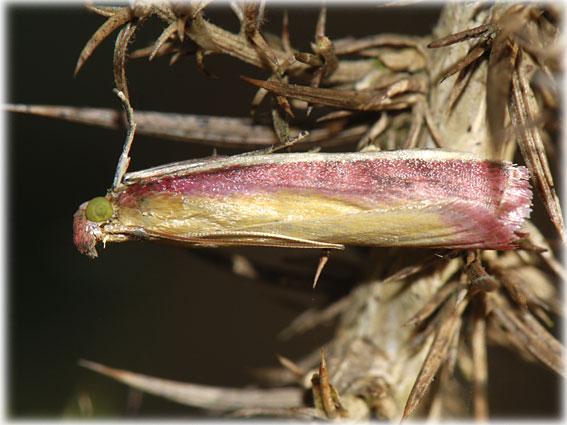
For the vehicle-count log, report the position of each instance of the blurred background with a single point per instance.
(164, 311)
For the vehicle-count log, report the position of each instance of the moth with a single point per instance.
(419, 197)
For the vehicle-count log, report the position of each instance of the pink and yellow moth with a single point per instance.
(419, 197)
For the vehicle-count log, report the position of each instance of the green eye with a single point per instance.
(99, 209)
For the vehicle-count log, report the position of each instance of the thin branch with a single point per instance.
(533, 337)
(205, 129)
(203, 396)
(436, 355)
(114, 22)
(480, 363)
(522, 113)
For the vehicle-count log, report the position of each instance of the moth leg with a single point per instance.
(245, 239)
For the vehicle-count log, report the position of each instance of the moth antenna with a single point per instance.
(124, 159)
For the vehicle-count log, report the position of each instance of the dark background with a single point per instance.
(159, 310)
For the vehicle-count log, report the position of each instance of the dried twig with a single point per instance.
(115, 21)
(120, 51)
(480, 363)
(532, 336)
(312, 318)
(433, 304)
(205, 129)
(523, 113)
(203, 396)
(461, 36)
(398, 95)
(436, 354)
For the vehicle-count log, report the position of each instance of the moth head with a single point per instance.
(87, 224)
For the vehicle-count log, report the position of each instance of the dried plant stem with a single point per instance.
(206, 397)
(436, 354)
(480, 363)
